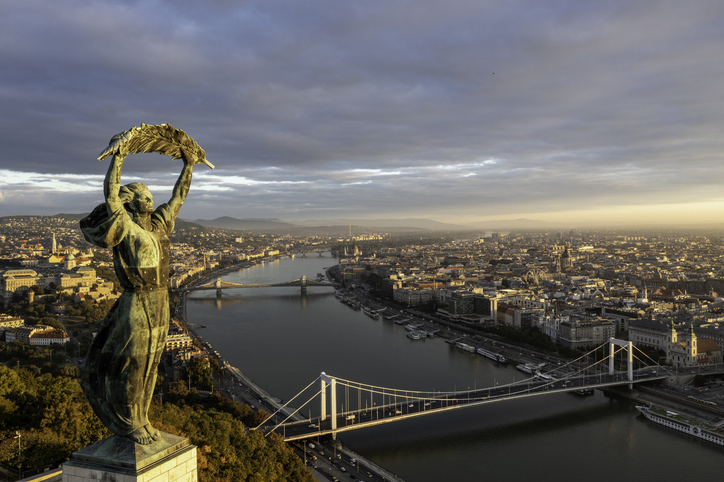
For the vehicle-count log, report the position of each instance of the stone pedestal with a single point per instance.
(117, 459)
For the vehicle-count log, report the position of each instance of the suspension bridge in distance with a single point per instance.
(220, 285)
(388, 405)
(303, 250)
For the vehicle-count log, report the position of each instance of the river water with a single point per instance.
(283, 341)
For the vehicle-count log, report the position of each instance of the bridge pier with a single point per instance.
(629, 348)
(327, 380)
(303, 282)
(323, 399)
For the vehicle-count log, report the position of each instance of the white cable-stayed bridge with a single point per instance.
(346, 405)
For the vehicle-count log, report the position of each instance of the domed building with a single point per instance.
(69, 262)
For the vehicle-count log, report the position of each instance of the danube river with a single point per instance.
(283, 341)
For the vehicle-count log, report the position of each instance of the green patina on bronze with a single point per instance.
(122, 362)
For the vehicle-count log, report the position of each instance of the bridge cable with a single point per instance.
(288, 402)
(655, 362)
(443, 396)
(365, 386)
(291, 414)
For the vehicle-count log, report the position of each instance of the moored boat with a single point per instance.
(465, 346)
(372, 314)
(496, 357)
(530, 368)
(542, 376)
(683, 424)
(525, 368)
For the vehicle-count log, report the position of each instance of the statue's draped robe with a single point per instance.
(122, 362)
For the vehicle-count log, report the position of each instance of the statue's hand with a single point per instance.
(190, 158)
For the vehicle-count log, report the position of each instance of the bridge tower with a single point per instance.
(303, 282)
(629, 349)
(218, 287)
(327, 380)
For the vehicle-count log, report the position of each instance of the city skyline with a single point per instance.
(460, 112)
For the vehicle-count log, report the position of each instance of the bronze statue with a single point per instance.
(122, 362)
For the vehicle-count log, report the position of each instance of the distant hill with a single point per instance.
(71, 216)
(249, 224)
(181, 224)
(415, 223)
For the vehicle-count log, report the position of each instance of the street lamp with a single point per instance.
(20, 467)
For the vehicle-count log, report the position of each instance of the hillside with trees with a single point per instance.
(47, 407)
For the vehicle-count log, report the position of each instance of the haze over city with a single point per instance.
(458, 111)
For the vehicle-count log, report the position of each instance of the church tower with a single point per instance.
(694, 352)
(54, 246)
(671, 342)
(672, 337)
(645, 297)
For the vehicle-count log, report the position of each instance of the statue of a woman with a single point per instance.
(122, 362)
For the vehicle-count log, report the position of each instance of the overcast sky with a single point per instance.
(453, 110)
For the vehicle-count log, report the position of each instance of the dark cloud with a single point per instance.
(325, 108)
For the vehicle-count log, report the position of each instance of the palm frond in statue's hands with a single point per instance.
(164, 139)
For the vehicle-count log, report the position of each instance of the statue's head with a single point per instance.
(136, 198)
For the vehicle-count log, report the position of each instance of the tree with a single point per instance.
(52, 322)
(51, 413)
(177, 390)
(198, 371)
(70, 372)
(226, 450)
